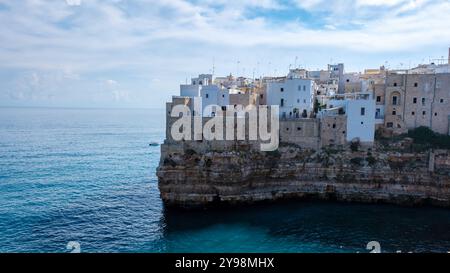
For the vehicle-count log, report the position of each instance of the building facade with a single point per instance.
(295, 97)
(414, 100)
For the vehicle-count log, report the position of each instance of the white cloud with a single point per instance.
(380, 2)
(176, 38)
(73, 2)
(111, 83)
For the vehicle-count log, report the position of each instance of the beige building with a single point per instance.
(244, 98)
(414, 100)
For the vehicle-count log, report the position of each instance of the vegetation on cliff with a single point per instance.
(426, 138)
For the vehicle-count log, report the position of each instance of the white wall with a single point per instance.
(214, 95)
(296, 94)
(358, 125)
(201, 86)
(189, 90)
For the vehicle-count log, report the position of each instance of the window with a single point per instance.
(223, 96)
(416, 84)
(287, 129)
(207, 96)
(377, 113)
(413, 113)
(378, 98)
(394, 113)
(299, 128)
(435, 114)
(281, 89)
(423, 101)
(299, 88)
(304, 87)
(261, 96)
(282, 102)
(298, 100)
(424, 113)
(394, 100)
(389, 124)
(362, 122)
(200, 82)
(334, 125)
(304, 101)
(441, 100)
(348, 80)
(395, 84)
(414, 100)
(363, 111)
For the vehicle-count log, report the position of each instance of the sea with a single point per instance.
(87, 178)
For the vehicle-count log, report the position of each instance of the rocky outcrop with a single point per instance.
(192, 177)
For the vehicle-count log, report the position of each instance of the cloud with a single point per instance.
(73, 2)
(111, 83)
(84, 43)
(380, 2)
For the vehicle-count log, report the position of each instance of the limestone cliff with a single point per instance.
(189, 176)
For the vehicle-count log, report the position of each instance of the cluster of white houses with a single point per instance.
(347, 106)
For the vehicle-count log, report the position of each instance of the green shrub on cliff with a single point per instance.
(275, 153)
(190, 152)
(208, 162)
(371, 160)
(357, 161)
(354, 146)
(424, 136)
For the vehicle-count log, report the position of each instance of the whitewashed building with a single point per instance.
(214, 96)
(360, 112)
(193, 89)
(295, 96)
(207, 93)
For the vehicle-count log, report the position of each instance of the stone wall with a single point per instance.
(309, 133)
(302, 132)
(333, 130)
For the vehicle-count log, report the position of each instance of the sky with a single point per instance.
(136, 53)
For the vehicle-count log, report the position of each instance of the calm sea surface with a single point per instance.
(89, 176)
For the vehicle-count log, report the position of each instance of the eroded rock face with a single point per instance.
(192, 178)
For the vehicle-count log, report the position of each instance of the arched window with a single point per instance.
(395, 98)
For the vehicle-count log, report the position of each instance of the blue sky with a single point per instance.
(123, 53)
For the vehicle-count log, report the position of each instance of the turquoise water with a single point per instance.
(89, 176)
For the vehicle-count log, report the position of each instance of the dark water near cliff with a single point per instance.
(89, 176)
